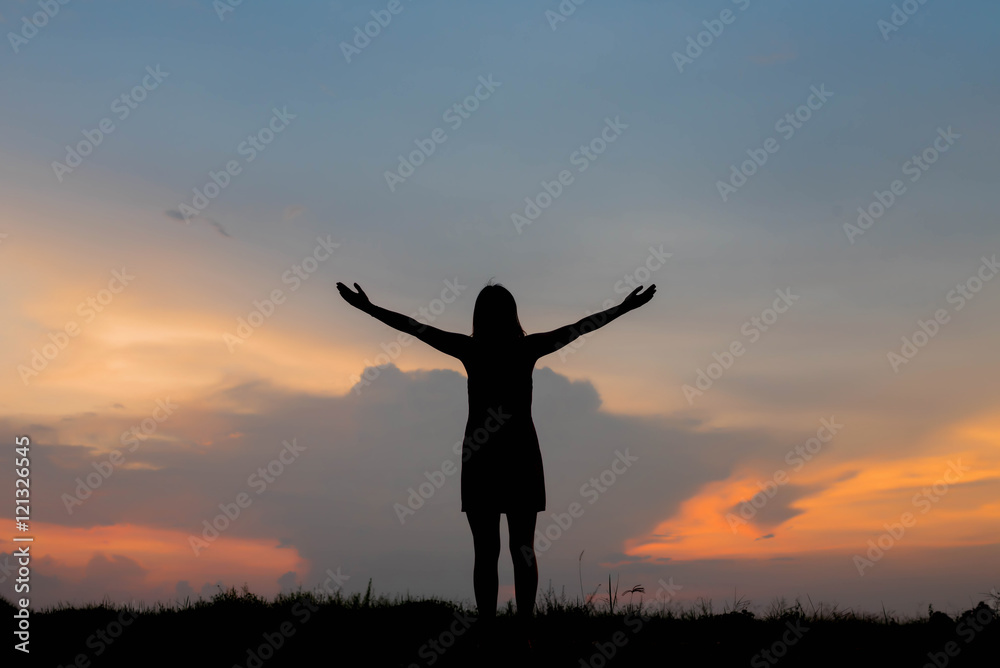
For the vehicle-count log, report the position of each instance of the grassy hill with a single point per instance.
(239, 628)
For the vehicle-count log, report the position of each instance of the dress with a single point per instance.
(501, 459)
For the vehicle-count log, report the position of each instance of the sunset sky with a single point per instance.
(817, 372)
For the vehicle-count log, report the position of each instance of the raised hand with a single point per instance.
(358, 300)
(635, 300)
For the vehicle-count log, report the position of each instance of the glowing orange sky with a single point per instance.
(164, 554)
(854, 501)
(163, 336)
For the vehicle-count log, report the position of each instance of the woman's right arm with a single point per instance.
(450, 343)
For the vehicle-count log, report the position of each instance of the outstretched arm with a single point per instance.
(449, 343)
(549, 342)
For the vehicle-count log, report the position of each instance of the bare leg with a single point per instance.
(521, 527)
(485, 581)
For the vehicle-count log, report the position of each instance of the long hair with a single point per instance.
(495, 315)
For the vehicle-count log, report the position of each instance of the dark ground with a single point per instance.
(241, 629)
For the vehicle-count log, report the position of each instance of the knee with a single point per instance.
(522, 554)
(488, 549)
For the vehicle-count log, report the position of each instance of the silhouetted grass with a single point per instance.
(376, 630)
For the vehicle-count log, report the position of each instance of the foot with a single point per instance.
(525, 627)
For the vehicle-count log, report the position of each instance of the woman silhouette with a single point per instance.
(501, 460)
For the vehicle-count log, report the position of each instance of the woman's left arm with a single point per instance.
(544, 343)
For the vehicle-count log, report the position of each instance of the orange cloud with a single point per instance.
(153, 560)
(951, 495)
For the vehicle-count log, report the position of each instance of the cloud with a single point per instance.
(292, 212)
(118, 566)
(288, 582)
(364, 453)
(210, 589)
(177, 215)
(218, 227)
(777, 509)
(184, 590)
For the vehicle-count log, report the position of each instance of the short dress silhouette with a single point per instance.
(501, 460)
